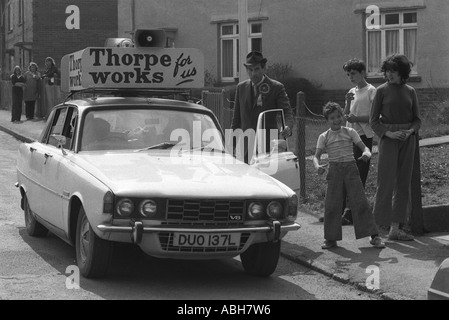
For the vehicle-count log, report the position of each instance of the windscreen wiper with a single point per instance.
(162, 145)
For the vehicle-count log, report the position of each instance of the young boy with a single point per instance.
(358, 105)
(343, 174)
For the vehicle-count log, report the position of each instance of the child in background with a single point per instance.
(343, 174)
(359, 100)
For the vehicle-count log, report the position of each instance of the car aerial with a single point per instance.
(130, 165)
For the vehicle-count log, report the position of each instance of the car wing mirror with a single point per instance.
(62, 140)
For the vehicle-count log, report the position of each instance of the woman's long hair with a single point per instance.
(53, 63)
(31, 65)
(399, 63)
(17, 68)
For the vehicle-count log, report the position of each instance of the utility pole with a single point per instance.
(243, 38)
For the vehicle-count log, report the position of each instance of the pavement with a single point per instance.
(401, 271)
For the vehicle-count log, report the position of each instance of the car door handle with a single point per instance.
(47, 155)
(32, 149)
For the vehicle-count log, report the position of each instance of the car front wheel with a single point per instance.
(34, 228)
(93, 254)
(261, 259)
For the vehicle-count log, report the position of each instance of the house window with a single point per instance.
(12, 61)
(397, 34)
(10, 17)
(21, 11)
(229, 40)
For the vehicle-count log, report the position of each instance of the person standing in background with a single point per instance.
(395, 120)
(50, 78)
(18, 82)
(51, 71)
(32, 89)
(359, 100)
(257, 94)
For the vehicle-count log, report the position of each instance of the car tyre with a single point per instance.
(261, 259)
(34, 228)
(93, 254)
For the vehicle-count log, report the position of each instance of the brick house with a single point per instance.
(314, 37)
(32, 30)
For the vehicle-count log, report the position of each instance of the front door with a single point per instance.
(55, 164)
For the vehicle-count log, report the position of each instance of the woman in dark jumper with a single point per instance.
(395, 120)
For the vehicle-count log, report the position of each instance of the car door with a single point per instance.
(272, 152)
(29, 164)
(53, 172)
(36, 190)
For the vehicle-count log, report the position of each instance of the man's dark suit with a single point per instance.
(246, 112)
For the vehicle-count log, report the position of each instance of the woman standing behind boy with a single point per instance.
(395, 120)
(31, 92)
(359, 100)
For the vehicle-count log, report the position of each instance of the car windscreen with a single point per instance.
(127, 128)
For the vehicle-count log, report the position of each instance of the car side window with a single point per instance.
(57, 126)
(69, 130)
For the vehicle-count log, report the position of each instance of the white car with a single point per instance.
(119, 167)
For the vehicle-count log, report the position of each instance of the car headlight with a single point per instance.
(125, 207)
(256, 210)
(275, 210)
(148, 208)
(292, 207)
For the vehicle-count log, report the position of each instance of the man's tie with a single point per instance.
(255, 93)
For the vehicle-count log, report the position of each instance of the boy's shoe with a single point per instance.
(400, 235)
(346, 218)
(377, 242)
(327, 244)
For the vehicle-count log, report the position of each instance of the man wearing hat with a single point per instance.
(259, 93)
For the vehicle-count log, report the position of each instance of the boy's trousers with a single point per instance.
(345, 175)
(394, 174)
(363, 166)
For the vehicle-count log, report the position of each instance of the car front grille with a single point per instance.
(205, 212)
(166, 240)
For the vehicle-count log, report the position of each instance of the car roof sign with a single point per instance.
(135, 67)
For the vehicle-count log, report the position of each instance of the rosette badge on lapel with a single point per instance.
(264, 88)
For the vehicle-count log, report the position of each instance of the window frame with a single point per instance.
(235, 40)
(10, 18)
(401, 27)
(234, 37)
(59, 121)
(21, 12)
(69, 111)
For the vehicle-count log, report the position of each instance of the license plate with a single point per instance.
(206, 240)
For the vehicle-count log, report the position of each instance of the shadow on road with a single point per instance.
(423, 248)
(135, 275)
